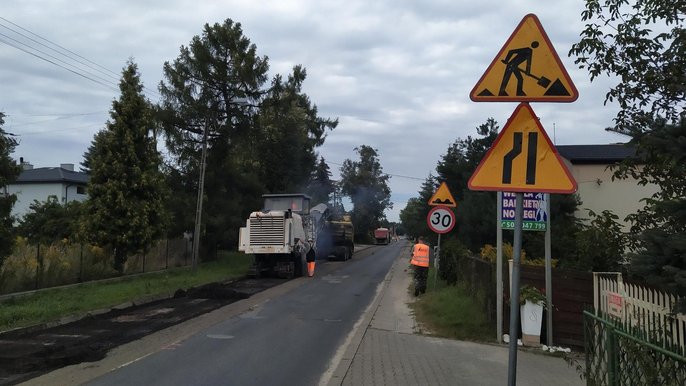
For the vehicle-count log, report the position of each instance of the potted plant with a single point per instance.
(531, 300)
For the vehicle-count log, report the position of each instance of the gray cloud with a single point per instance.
(396, 73)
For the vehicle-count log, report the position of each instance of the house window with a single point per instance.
(80, 190)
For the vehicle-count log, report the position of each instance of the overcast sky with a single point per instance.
(397, 74)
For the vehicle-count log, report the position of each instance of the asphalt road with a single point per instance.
(288, 339)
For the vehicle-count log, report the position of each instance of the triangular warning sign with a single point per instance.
(443, 197)
(527, 69)
(522, 159)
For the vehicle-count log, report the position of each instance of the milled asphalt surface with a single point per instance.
(386, 349)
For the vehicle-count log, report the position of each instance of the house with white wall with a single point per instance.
(61, 184)
(590, 166)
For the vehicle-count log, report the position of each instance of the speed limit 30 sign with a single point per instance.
(441, 219)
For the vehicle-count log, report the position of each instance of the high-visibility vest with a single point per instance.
(420, 255)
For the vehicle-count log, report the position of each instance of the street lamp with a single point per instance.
(201, 186)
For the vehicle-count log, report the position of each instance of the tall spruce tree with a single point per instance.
(261, 138)
(9, 171)
(367, 186)
(321, 186)
(213, 85)
(290, 129)
(126, 192)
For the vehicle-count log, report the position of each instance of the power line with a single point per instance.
(71, 56)
(57, 64)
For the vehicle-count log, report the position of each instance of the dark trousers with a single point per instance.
(420, 276)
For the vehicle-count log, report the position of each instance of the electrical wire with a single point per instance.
(71, 56)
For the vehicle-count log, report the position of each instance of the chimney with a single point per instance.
(69, 167)
(25, 165)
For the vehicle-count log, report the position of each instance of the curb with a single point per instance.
(359, 331)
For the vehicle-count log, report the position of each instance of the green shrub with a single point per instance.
(451, 252)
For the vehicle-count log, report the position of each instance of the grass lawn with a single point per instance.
(53, 304)
(450, 312)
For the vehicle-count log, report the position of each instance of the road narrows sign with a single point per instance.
(443, 197)
(522, 159)
(527, 69)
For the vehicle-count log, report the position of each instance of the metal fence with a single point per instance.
(33, 267)
(615, 356)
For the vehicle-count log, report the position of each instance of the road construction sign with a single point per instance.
(527, 69)
(442, 197)
(522, 159)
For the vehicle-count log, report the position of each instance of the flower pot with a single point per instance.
(531, 315)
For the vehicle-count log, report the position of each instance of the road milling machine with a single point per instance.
(282, 234)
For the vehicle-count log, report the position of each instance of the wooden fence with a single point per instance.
(643, 311)
(572, 294)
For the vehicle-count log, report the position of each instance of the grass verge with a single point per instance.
(450, 312)
(51, 305)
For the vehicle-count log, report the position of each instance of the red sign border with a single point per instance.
(574, 92)
(533, 189)
(435, 208)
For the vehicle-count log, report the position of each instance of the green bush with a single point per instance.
(451, 252)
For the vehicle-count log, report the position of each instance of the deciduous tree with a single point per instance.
(367, 186)
(642, 45)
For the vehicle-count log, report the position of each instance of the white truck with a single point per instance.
(282, 234)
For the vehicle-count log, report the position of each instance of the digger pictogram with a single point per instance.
(513, 59)
(526, 69)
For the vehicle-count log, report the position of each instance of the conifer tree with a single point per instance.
(126, 192)
(9, 171)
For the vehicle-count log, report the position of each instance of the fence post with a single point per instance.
(81, 265)
(143, 262)
(39, 267)
(166, 255)
(612, 354)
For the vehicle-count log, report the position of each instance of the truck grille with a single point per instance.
(267, 230)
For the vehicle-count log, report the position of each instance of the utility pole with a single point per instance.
(198, 207)
(201, 185)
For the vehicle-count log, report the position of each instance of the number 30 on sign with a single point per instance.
(441, 219)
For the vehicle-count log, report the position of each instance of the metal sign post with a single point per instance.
(514, 290)
(548, 277)
(499, 271)
(436, 260)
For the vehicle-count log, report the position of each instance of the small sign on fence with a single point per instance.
(615, 304)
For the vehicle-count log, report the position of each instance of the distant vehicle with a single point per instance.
(382, 236)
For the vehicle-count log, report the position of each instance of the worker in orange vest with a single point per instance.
(420, 263)
(310, 258)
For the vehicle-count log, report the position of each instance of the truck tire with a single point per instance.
(299, 264)
(347, 255)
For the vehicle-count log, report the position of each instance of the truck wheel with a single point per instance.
(298, 265)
